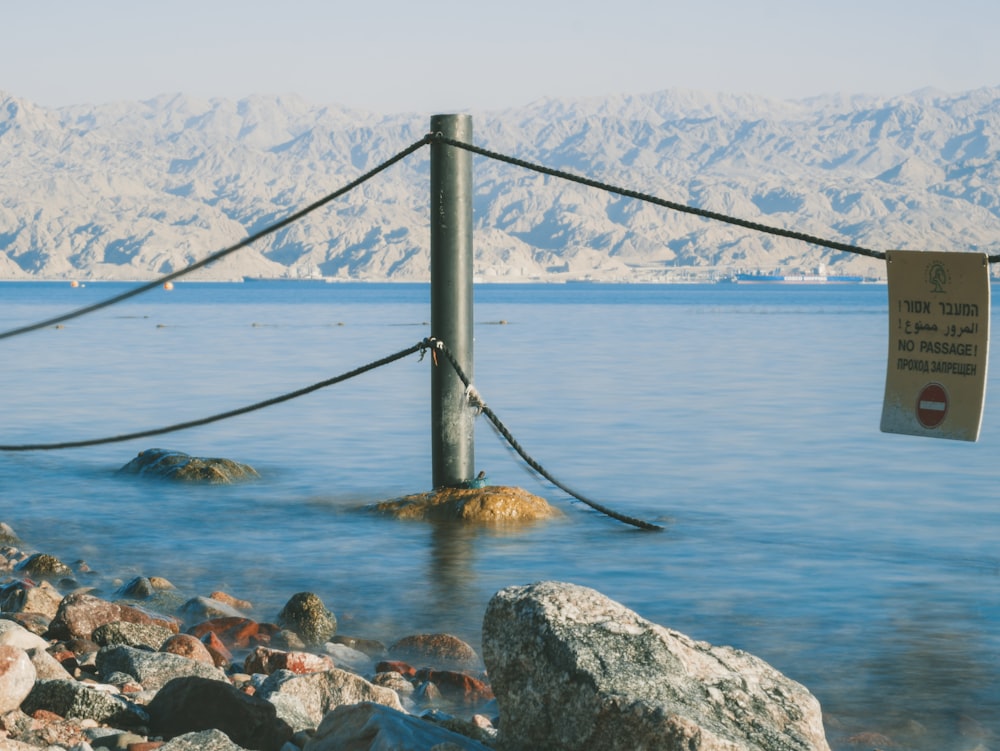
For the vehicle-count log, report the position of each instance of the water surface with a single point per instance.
(744, 418)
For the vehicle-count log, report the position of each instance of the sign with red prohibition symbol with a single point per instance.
(939, 317)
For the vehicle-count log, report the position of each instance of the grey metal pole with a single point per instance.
(452, 421)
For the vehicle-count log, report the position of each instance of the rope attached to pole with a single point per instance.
(249, 240)
(418, 347)
(626, 192)
(438, 346)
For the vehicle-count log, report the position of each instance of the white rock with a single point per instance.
(572, 670)
(15, 635)
(17, 677)
(349, 658)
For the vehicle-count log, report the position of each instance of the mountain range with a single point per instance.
(132, 190)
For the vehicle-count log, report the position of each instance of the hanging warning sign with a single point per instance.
(939, 316)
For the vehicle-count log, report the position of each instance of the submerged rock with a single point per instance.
(490, 504)
(43, 565)
(176, 465)
(443, 650)
(572, 669)
(374, 726)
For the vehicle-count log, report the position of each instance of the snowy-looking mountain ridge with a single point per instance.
(131, 190)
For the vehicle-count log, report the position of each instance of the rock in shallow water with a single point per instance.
(490, 504)
(378, 728)
(176, 465)
(307, 616)
(572, 669)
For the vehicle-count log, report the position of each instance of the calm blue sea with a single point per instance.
(745, 418)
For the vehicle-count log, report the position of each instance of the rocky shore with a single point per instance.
(89, 663)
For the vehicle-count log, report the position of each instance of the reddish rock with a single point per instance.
(80, 614)
(221, 656)
(145, 745)
(444, 650)
(456, 686)
(396, 666)
(44, 715)
(231, 601)
(264, 660)
(235, 633)
(188, 646)
(66, 658)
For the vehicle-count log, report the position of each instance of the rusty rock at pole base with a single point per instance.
(489, 504)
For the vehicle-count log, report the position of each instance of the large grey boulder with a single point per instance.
(74, 700)
(153, 669)
(206, 740)
(572, 669)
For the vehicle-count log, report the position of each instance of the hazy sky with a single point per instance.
(443, 56)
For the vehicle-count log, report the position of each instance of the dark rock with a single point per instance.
(149, 635)
(43, 565)
(191, 703)
(116, 741)
(153, 669)
(138, 588)
(572, 669)
(307, 616)
(75, 700)
(176, 465)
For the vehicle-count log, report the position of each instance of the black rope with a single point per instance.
(250, 239)
(438, 137)
(478, 403)
(422, 345)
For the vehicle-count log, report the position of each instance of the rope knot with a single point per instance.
(475, 400)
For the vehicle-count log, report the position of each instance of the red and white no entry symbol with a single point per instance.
(932, 405)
